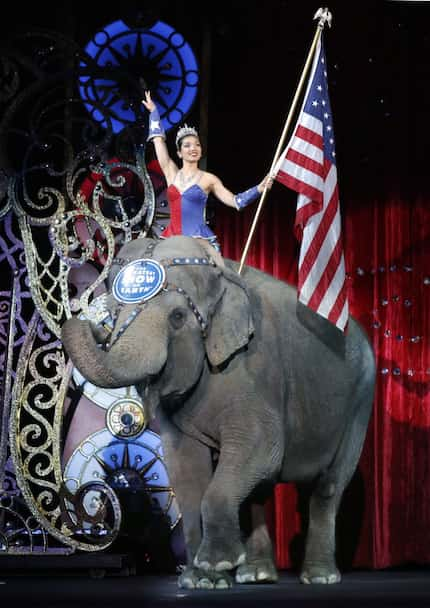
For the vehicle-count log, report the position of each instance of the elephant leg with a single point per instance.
(190, 468)
(319, 565)
(222, 547)
(259, 566)
(244, 462)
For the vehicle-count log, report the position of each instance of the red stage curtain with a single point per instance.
(384, 519)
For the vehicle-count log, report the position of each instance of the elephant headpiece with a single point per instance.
(226, 324)
(194, 278)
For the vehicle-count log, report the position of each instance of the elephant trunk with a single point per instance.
(101, 368)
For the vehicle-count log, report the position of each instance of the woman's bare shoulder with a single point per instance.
(209, 178)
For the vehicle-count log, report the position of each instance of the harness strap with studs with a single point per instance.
(166, 263)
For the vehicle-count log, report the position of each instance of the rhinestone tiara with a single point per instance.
(184, 131)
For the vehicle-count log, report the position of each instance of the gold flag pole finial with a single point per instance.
(324, 17)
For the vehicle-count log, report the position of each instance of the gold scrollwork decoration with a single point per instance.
(35, 430)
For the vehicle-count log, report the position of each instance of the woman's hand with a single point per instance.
(147, 102)
(267, 183)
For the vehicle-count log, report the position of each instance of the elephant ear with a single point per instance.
(231, 323)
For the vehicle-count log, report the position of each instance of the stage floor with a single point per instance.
(394, 588)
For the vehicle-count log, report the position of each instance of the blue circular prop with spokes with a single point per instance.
(123, 62)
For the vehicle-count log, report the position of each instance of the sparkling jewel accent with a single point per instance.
(184, 131)
(401, 369)
(184, 181)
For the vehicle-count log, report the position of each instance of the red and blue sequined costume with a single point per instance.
(187, 208)
(187, 213)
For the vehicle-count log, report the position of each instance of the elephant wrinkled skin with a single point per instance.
(274, 390)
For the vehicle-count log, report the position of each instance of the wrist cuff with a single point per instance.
(156, 128)
(244, 198)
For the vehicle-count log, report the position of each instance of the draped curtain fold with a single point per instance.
(384, 518)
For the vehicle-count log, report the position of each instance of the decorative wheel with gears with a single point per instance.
(125, 455)
(133, 464)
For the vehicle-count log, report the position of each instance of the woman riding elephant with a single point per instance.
(189, 186)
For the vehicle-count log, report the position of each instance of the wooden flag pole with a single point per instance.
(324, 17)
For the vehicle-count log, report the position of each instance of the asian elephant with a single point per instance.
(250, 388)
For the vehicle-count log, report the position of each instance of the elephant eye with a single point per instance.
(177, 317)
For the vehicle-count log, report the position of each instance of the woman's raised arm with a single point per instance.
(158, 136)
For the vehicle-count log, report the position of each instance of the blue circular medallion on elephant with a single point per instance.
(140, 280)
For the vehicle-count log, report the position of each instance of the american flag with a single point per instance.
(308, 166)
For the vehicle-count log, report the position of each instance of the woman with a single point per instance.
(189, 186)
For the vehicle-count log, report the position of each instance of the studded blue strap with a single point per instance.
(189, 261)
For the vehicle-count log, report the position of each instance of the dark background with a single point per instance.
(378, 68)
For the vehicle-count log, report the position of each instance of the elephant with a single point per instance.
(250, 388)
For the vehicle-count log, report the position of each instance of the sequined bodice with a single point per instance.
(187, 212)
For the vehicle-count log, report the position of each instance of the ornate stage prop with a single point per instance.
(75, 184)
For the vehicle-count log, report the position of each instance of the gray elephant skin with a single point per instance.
(249, 388)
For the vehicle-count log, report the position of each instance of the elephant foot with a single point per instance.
(219, 556)
(320, 575)
(257, 571)
(195, 578)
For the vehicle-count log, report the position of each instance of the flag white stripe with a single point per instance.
(333, 290)
(307, 149)
(329, 243)
(330, 185)
(343, 317)
(319, 266)
(311, 123)
(302, 201)
(308, 121)
(303, 175)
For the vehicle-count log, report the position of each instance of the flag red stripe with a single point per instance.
(337, 308)
(299, 186)
(306, 162)
(327, 276)
(310, 136)
(304, 214)
(318, 239)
